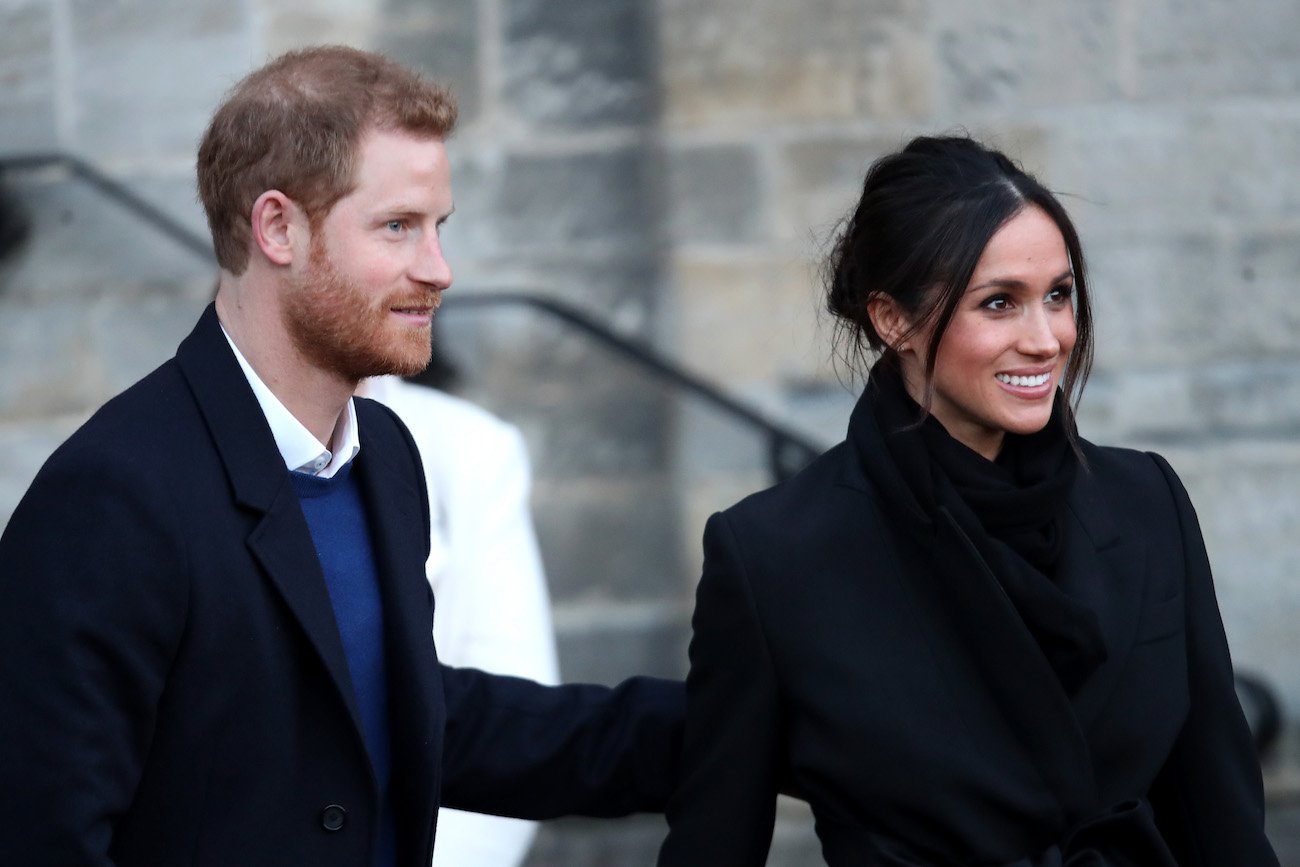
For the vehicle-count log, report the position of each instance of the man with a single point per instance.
(215, 637)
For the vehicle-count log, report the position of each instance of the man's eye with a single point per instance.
(396, 225)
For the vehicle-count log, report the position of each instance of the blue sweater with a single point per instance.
(337, 520)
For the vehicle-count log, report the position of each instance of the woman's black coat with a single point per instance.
(868, 655)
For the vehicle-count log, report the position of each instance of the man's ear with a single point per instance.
(889, 320)
(275, 218)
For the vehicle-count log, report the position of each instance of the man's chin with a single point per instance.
(406, 365)
(408, 369)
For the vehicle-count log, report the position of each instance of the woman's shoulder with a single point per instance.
(1133, 477)
(1122, 461)
(828, 496)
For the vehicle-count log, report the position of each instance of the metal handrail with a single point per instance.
(788, 451)
(114, 191)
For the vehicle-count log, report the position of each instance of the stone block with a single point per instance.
(1138, 402)
(283, 25)
(82, 243)
(613, 538)
(1159, 169)
(716, 195)
(477, 180)
(587, 410)
(442, 42)
(577, 202)
(769, 62)
(148, 74)
(48, 365)
(1238, 160)
(819, 183)
(68, 355)
(712, 442)
(621, 292)
(719, 458)
(1214, 401)
(1011, 55)
(615, 427)
(820, 177)
(1206, 402)
(608, 643)
(1246, 496)
(27, 79)
(1259, 294)
(175, 194)
(1251, 397)
(1216, 48)
(1169, 298)
(579, 64)
(133, 335)
(1157, 298)
(751, 320)
(1128, 169)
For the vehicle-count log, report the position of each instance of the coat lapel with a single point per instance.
(1106, 571)
(281, 541)
(392, 486)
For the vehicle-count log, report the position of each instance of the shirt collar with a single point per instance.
(301, 451)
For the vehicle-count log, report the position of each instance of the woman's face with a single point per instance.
(1003, 354)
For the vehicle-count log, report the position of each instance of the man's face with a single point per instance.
(363, 303)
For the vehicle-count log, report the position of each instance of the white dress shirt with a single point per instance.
(301, 451)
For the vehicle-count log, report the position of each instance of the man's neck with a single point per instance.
(315, 397)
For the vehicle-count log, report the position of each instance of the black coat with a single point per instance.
(871, 655)
(173, 685)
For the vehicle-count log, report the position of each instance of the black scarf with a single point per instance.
(1011, 509)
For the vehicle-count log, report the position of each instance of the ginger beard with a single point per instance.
(339, 326)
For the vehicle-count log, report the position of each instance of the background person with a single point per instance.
(968, 635)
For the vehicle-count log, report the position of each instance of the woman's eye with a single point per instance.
(997, 302)
(1060, 295)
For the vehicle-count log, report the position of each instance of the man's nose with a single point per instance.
(432, 268)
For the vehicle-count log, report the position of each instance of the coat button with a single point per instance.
(333, 817)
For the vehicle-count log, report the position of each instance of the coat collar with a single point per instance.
(238, 427)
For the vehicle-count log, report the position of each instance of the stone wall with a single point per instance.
(677, 168)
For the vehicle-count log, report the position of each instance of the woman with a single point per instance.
(965, 635)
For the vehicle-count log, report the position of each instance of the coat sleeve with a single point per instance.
(514, 747)
(94, 608)
(1208, 798)
(723, 812)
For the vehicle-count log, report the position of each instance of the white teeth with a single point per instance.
(1027, 381)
